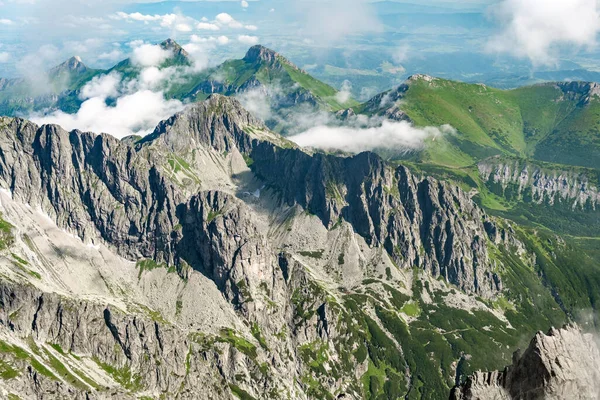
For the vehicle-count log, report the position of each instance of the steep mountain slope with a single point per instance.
(262, 67)
(214, 256)
(262, 77)
(562, 364)
(20, 96)
(552, 122)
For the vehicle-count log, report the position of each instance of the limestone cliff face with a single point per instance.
(519, 180)
(175, 201)
(562, 364)
(420, 222)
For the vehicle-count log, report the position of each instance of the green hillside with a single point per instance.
(553, 122)
(289, 87)
(262, 66)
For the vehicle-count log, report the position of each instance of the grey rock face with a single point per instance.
(562, 364)
(121, 192)
(144, 353)
(124, 194)
(421, 223)
(386, 104)
(73, 65)
(516, 179)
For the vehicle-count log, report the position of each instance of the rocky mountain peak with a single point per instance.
(218, 122)
(260, 53)
(72, 65)
(561, 364)
(179, 52)
(420, 77)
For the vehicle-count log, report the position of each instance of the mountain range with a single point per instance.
(216, 258)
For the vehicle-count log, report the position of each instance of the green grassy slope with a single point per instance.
(557, 123)
(272, 70)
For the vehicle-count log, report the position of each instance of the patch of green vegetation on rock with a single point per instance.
(255, 329)
(148, 265)
(64, 373)
(312, 254)
(6, 236)
(212, 214)
(21, 354)
(249, 161)
(411, 309)
(240, 393)
(228, 335)
(122, 375)
(7, 371)
(19, 259)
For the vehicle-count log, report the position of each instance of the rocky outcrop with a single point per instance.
(562, 364)
(524, 181)
(420, 222)
(386, 104)
(127, 196)
(123, 195)
(117, 353)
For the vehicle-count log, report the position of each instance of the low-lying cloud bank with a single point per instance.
(133, 114)
(539, 29)
(124, 106)
(390, 135)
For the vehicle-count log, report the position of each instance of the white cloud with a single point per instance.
(135, 43)
(251, 27)
(247, 39)
(179, 23)
(228, 20)
(148, 55)
(224, 18)
(272, 10)
(245, 4)
(222, 40)
(345, 93)
(136, 113)
(257, 101)
(5, 21)
(539, 29)
(401, 54)
(104, 86)
(183, 28)
(136, 16)
(207, 26)
(112, 55)
(4, 57)
(401, 136)
(333, 20)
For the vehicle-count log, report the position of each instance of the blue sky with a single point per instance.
(540, 33)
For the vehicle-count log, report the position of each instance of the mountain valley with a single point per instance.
(216, 256)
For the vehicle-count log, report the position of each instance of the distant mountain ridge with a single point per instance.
(286, 86)
(214, 256)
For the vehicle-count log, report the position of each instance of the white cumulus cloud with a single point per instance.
(5, 21)
(247, 39)
(401, 136)
(4, 57)
(207, 26)
(104, 86)
(245, 4)
(148, 55)
(228, 20)
(345, 92)
(332, 21)
(112, 55)
(136, 113)
(540, 29)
